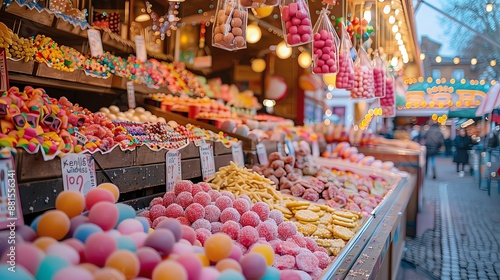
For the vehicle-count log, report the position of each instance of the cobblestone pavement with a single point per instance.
(458, 230)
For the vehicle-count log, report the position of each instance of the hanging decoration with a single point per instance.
(359, 29)
(166, 23)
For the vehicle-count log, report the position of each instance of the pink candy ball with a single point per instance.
(130, 226)
(73, 273)
(97, 195)
(98, 247)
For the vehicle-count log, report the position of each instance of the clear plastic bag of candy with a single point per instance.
(388, 102)
(258, 3)
(296, 22)
(345, 75)
(325, 46)
(363, 77)
(229, 30)
(379, 76)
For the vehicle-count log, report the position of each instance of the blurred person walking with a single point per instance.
(434, 140)
(462, 143)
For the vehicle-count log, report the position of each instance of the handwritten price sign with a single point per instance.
(131, 95)
(95, 42)
(238, 156)
(173, 168)
(78, 171)
(262, 154)
(207, 161)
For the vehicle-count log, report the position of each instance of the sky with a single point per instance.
(427, 21)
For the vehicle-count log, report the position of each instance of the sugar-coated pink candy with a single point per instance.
(157, 211)
(231, 228)
(184, 199)
(168, 198)
(202, 198)
(302, 14)
(196, 189)
(293, 7)
(216, 227)
(262, 209)
(195, 211)
(296, 22)
(247, 236)
(188, 234)
(214, 195)
(202, 223)
(306, 261)
(293, 30)
(242, 205)
(230, 214)
(202, 234)
(73, 273)
(148, 259)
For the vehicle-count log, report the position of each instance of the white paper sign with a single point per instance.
(78, 172)
(315, 149)
(199, 142)
(207, 161)
(95, 42)
(140, 48)
(131, 95)
(173, 168)
(82, 140)
(262, 154)
(289, 148)
(238, 156)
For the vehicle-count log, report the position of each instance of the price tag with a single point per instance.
(82, 140)
(95, 42)
(315, 149)
(279, 146)
(238, 156)
(199, 142)
(131, 95)
(4, 74)
(78, 172)
(140, 48)
(173, 168)
(262, 154)
(207, 161)
(289, 149)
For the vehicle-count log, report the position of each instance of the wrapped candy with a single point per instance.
(345, 75)
(296, 22)
(379, 76)
(388, 103)
(363, 81)
(229, 31)
(325, 45)
(258, 3)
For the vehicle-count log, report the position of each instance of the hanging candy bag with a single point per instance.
(379, 76)
(363, 77)
(258, 3)
(229, 30)
(296, 22)
(325, 45)
(345, 75)
(388, 103)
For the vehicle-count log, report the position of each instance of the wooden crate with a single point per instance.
(42, 17)
(190, 151)
(144, 155)
(86, 79)
(64, 25)
(118, 82)
(21, 66)
(114, 159)
(220, 149)
(222, 160)
(33, 167)
(44, 71)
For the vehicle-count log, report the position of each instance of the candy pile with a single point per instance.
(258, 3)
(296, 21)
(110, 242)
(363, 82)
(132, 115)
(345, 76)
(325, 53)
(388, 102)
(378, 78)
(230, 26)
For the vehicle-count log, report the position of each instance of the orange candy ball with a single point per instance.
(226, 264)
(53, 223)
(112, 188)
(108, 273)
(266, 251)
(204, 260)
(218, 247)
(169, 270)
(124, 261)
(44, 242)
(70, 202)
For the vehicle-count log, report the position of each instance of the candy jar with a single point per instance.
(258, 3)
(229, 30)
(379, 76)
(296, 22)
(325, 45)
(345, 75)
(363, 81)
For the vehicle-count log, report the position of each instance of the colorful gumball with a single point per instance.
(173, 225)
(124, 261)
(92, 268)
(226, 264)
(70, 202)
(272, 273)
(49, 267)
(75, 222)
(148, 259)
(161, 240)
(209, 273)
(218, 247)
(73, 273)
(97, 195)
(139, 238)
(26, 233)
(64, 251)
(145, 223)
(188, 234)
(44, 242)
(98, 247)
(230, 274)
(108, 273)
(28, 256)
(112, 188)
(130, 226)
(84, 231)
(78, 246)
(21, 273)
(104, 214)
(192, 264)
(126, 243)
(254, 265)
(169, 270)
(34, 223)
(124, 212)
(266, 251)
(54, 223)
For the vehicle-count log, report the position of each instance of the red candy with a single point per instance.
(205, 186)
(287, 248)
(296, 22)
(267, 230)
(286, 230)
(144, 214)
(248, 236)
(284, 262)
(246, 197)
(228, 194)
(168, 198)
(306, 261)
(230, 214)
(196, 189)
(242, 205)
(174, 210)
(214, 195)
(157, 211)
(223, 202)
(156, 201)
(323, 259)
(216, 227)
(202, 234)
(311, 244)
(262, 209)
(250, 219)
(158, 220)
(202, 198)
(231, 228)
(201, 223)
(299, 240)
(194, 212)
(277, 216)
(184, 199)
(212, 213)
(184, 221)
(183, 186)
